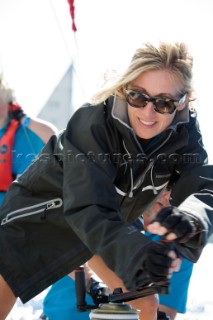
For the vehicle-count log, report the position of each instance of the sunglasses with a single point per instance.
(138, 99)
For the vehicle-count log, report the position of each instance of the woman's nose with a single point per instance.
(149, 108)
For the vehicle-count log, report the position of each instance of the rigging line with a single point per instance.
(28, 139)
(73, 58)
(60, 29)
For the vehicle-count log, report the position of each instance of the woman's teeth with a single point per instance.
(147, 123)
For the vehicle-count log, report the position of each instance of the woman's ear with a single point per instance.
(185, 102)
(181, 106)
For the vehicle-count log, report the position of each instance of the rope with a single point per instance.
(75, 56)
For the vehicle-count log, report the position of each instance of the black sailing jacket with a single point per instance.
(97, 175)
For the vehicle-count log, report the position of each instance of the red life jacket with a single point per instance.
(6, 146)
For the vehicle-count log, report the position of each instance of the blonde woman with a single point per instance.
(81, 198)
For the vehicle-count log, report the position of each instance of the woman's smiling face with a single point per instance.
(146, 122)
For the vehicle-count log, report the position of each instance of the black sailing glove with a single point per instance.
(150, 265)
(16, 112)
(188, 228)
(98, 291)
(155, 263)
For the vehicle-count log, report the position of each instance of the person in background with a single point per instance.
(176, 300)
(21, 137)
(91, 183)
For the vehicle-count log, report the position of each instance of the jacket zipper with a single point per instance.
(32, 210)
(162, 144)
(142, 176)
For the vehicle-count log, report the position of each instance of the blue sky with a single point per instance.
(37, 44)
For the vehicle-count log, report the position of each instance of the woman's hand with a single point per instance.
(162, 202)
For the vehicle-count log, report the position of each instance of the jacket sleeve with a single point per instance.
(193, 191)
(91, 206)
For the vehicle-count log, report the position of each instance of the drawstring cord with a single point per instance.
(131, 172)
(131, 177)
(154, 189)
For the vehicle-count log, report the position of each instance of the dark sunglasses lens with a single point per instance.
(163, 106)
(136, 99)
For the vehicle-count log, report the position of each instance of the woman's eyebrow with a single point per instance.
(160, 95)
(134, 87)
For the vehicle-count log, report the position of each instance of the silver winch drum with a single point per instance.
(114, 311)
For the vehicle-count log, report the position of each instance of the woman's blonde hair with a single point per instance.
(6, 93)
(171, 56)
